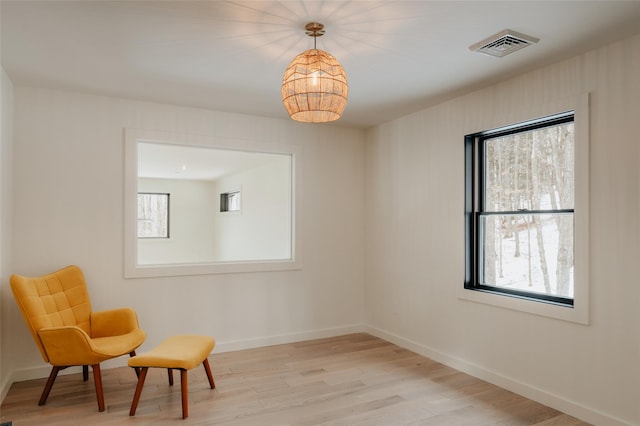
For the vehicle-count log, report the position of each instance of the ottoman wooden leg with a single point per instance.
(185, 393)
(193, 351)
(136, 396)
(207, 368)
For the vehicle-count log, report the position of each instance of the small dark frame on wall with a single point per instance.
(230, 201)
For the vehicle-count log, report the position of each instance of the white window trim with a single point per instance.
(579, 313)
(131, 267)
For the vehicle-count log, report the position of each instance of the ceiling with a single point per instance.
(178, 162)
(399, 56)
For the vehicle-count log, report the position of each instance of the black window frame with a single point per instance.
(474, 205)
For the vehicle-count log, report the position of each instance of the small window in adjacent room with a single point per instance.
(230, 201)
(519, 207)
(153, 215)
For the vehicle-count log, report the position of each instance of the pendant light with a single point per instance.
(314, 86)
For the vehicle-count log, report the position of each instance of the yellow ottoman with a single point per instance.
(175, 353)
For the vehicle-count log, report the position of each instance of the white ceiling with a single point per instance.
(167, 161)
(400, 56)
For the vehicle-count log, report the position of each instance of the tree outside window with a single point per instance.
(153, 215)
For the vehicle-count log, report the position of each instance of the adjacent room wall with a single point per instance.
(262, 228)
(192, 205)
(415, 242)
(201, 233)
(69, 205)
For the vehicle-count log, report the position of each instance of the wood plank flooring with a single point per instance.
(355, 379)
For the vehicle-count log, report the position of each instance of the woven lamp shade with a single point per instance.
(314, 87)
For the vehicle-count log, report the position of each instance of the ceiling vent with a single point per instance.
(503, 43)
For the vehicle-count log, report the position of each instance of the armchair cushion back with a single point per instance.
(57, 299)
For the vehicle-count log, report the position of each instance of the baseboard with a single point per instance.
(544, 397)
(260, 342)
(4, 388)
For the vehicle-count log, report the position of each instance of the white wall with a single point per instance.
(415, 242)
(68, 208)
(6, 154)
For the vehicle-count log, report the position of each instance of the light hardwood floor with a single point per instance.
(356, 379)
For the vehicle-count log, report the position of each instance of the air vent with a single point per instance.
(503, 43)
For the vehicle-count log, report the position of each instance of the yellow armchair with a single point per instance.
(57, 310)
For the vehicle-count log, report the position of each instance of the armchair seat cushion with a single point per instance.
(115, 346)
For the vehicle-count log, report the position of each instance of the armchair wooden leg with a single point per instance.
(49, 385)
(85, 373)
(97, 378)
(137, 370)
(170, 375)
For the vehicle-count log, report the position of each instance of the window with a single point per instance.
(519, 209)
(195, 170)
(230, 201)
(153, 215)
